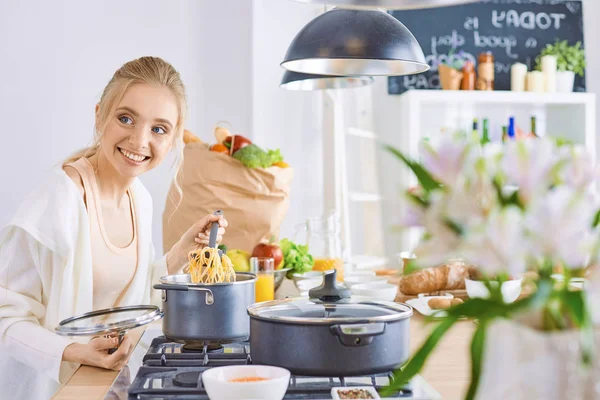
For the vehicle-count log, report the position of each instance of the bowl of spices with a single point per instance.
(357, 392)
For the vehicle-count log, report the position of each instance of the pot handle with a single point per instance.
(209, 299)
(357, 334)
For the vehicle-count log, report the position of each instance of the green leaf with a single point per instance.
(417, 199)
(596, 219)
(477, 346)
(576, 305)
(428, 183)
(402, 376)
(513, 199)
(456, 228)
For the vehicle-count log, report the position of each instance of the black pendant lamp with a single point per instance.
(389, 4)
(297, 81)
(347, 42)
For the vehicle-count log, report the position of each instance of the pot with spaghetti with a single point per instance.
(209, 302)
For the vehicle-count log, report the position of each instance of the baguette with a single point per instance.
(446, 277)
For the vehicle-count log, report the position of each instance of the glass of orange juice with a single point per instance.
(264, 268)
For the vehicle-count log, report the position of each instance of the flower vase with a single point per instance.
(523, 363)
(565, 81)
(450, 78)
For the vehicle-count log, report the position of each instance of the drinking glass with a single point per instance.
(264, 268)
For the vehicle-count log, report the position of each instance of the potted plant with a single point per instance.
(570, 61)
(522, 209)
(450, 71)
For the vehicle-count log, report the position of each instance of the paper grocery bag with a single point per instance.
(254, 201)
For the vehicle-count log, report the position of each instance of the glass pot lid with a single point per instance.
(329, 304)
(306, 311)
(109, 320)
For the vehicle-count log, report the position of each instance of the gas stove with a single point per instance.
(163, 369)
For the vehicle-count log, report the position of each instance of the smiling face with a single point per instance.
(141, 130)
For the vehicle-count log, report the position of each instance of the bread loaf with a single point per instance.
(450, 276)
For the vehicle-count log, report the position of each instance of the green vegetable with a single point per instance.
(568, 58)
(253, 156)
(296, 257)
(222, 247)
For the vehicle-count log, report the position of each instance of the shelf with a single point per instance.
(497, 97)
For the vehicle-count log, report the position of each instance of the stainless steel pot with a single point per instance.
(206, 312)
(331, 334)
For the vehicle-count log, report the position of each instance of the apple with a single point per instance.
(236, 142)
(271, 250)
(240, 260)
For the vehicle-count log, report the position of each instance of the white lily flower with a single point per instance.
(436, 250)
(446, 160)
(579, 171)
(560, 226)
(497, 244)
(413, 213)
(528, 164)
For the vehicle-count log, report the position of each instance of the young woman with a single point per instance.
(82, 241)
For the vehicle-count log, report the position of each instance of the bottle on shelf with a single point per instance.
(533, 132)
(505, 133)
(475, 130)
(468, 80)
(485, 69)
(485, 138)
(511, 128)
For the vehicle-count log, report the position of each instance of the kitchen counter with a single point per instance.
(447, 370)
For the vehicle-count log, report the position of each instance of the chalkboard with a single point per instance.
(513, 30)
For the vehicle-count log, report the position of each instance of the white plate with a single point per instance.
(370, 389)
(420, 304)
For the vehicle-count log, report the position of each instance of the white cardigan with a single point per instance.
(46, 276)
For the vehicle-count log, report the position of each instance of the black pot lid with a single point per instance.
(356, 309)
(110, 320)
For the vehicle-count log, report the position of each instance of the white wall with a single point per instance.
(289, 120)
(57, 57)
(388, 115)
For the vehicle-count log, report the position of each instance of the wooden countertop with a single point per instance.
(447, 370)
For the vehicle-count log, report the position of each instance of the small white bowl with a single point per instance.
(375, 290)
(354, 280)
(370, 389)
(359, 273)
(218, 385)
(510, 289)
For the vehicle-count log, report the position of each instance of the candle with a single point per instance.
(518, 72)
(535, 81)
(549, 71)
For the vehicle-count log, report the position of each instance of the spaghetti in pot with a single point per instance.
(207, 267)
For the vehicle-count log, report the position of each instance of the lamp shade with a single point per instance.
(347, 42)
(297, 81)
(389, 4)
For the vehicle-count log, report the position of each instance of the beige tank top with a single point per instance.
(113, 267)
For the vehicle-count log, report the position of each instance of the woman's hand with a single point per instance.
(195, 238)
(95, 353)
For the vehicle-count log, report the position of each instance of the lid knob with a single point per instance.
(329, 291)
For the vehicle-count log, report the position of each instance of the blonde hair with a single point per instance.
(149, 70)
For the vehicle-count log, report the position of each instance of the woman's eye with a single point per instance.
(159, 130)
(125, 120)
